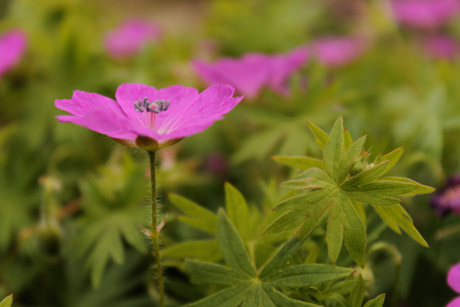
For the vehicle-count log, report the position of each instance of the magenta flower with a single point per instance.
(453, 280)
(425, 14)
(131, 37)
(253, 71)
(448, 198)
(336, 51)
(141, 112)
(442, 47)
(12, 46)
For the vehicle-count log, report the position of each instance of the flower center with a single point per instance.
(156, 106)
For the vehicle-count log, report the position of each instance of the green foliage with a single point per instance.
(249, 288)
(7, 301)
(249, 224)
(339, 189)
(112, 200)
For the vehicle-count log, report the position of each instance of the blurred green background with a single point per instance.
(71, 200)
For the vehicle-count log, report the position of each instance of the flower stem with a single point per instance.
(154, 231)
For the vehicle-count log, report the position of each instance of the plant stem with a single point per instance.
(154, 231)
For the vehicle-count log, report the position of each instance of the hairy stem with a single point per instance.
(154, 231)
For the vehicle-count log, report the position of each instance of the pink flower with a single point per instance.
(425, 14)
(131, 37)
(253, 71)
(12, 46)
(442, 47)
(453, 280)
(143, 113)
(336, 51)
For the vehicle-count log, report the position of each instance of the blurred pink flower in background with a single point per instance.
(129, 38)
(254, 71)
(12, 47)
(336, 51)
(442, 47)
(163, 115)
(448, 198)
(425, 14)
(453, 280)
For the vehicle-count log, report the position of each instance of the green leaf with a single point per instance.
(385, 188)
(396, 217)
(303, 275)
(392, 158)
(371, 199)
(280, 259)
(355, 231)
(287, 222)
(202, 250)
(320, 135)
(229, 297)
(7, 301)
(232, 247)
(365, 176)
(273, 297)
(253, 296)
(334, 149)
(198, 217)
(349, 157)
(299, 162)
(419, 188)
(237, 210)
(210, 273)
(307, 199)
(376, 302)
(334, 234)
(347, 139)
(357, 295)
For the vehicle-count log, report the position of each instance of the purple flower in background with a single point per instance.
(131, 37)
(442, 47)
(425, 14)
(448, 198)
(453, 280)
(336, 51)
(250, 73)
(163, 115)
(12, 46)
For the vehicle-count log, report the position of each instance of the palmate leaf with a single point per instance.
(338, 189)
(113, 213)
(246, 287)
(249, 223)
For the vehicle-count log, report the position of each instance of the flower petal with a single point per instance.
(453, 277)
(283, 66)
(82, 102)
(199, 114)
(128, 93)
(248, 74)
(12, 46)
(102, 121)
(454, 303)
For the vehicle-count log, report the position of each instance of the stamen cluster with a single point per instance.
(156, 106)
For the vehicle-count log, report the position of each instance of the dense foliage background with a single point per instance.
(71, 201)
